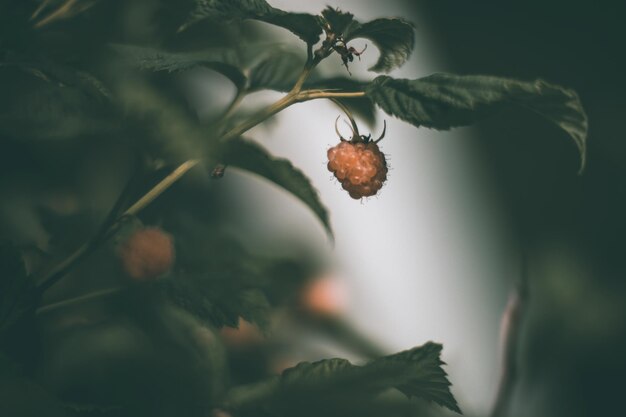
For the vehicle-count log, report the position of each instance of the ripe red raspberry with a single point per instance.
(359, 166)
(147, 254)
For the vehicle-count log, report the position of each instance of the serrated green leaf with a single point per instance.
(223, 60)
(336, 20)
(168, 130)
(230, 283)
(416, 372)
(254, 307)
(250, 68)
(393, 37)
(252, 157)
(276, 68)
(443, 101)
(420, 374)
(304, 25)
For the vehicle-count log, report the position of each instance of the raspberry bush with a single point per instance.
(103, 83)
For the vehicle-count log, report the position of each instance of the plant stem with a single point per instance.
(355, 128)
(315, 94)
(241, 94)
(158, 189)
(260, 117)
(77, 300)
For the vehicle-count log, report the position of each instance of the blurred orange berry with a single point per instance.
(147, 254)
(324, 296)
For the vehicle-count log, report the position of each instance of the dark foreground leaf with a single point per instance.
(223, 60)
(304, 25)
(443, 101)
(416, 372)
(250, 68)
(44, 102)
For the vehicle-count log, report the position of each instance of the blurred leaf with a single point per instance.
(251, 68)
(221, 289)
(17, 290)
(304, 25)
(223, 60)
(219, 280)
(393, 37)
(253, 306)
(21, 397)
(442, 101)
(416, 372)
(252, 157)
(170, 132)
(46, 101)
(277, 67)
(337, 21)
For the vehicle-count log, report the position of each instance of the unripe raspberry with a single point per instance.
(359, 166)
(147, 254)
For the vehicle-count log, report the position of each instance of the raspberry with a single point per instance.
(147, 254)
(359, 166)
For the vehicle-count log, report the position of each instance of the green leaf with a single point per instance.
(230, 284)
(46, 102)
(18, 296)
(304, 25)
(416, 372)
(252, 157)
(393, 37)
(277, 67)
(253, 306)
(223, 60)
(443, 101)
(250, 68)
(167, 130)
(337, 21)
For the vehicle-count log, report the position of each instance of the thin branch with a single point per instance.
(315, 94)
(161, 187)
(510, 332)
(260, 117)
(77, 300)
(355, 128)
(241, 94)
